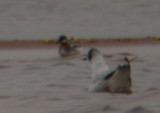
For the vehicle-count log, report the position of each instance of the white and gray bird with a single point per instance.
(105, 80)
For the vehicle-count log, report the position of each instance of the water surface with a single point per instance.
(39, 19)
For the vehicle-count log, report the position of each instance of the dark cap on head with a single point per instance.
(62, 38)
(91, 52)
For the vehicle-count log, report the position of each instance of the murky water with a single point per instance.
(39, 19)
(39, 81)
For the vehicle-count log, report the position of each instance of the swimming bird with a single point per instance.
(67, 49)
(105, 80)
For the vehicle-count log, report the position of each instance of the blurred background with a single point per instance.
(47, 19)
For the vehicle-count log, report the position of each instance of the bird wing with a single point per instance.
(110, 74)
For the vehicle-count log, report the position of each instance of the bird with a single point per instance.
(104, 79)
(66, 48)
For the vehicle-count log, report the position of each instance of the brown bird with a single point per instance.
(103, 80)
(67, 49)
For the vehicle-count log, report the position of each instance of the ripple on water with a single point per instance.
(5, 97)
(139, 109)
(109, 55)
(53, 99)
(147, 70)
(97, 109)
(108, 108)
(4, 66)
(57, 85)
(126, 54)
(62, 63)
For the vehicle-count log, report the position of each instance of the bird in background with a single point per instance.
(67, 48)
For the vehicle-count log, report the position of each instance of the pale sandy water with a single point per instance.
(39, 81)
(47, 19)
